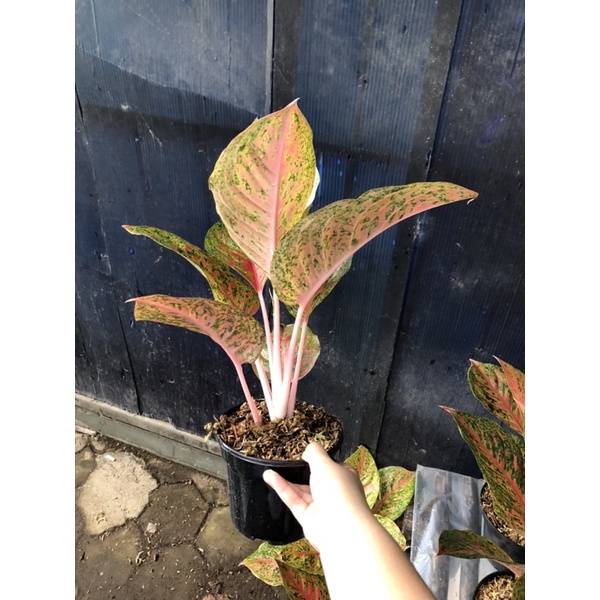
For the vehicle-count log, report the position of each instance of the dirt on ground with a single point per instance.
(151, 529)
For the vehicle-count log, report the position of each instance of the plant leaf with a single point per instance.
(362, 460)
(468, 544)
(393, 530)
(301, 555)
(519, 588)
(310, 353)
(264, 180)
(491, 387)
(324, 291)
(218, 243)
(301, 585)
(396, 490)
(318, 245)
(516, 382)
(225, 286)
(240, 335)
(263, 564)
(500, 456)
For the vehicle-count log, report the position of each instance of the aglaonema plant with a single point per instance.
(470, 545)
(500, 455)
(269, 255)
(297, 566)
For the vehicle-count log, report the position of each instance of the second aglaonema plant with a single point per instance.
(499, 449)
(269, 251)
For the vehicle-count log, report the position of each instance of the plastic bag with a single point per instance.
(446, 500)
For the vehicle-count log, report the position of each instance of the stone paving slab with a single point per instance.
(116, 490)
(152, 529)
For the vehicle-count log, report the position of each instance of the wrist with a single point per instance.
(342, 535)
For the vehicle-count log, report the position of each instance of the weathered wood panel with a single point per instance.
(102, 367)
(220, 50)
(395, 92)
(466, 294)
(370, 77)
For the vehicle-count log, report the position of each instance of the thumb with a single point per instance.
(315, 453)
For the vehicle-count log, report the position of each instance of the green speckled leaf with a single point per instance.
(310, 353)
(218, 243)
(318, 245)
(393, 530)
(263, 564)
(324, 291)
(490, 385)
(366, 468)
(240, 335)
(225, 286)
(501, 457)
(301, 585)
(264, 181)
(301, 555)
(396, 490)
(516, 382)
(519, 588)
(468, 544)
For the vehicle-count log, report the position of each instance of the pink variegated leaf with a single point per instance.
(240, 335)
(396, 490)
(324, 291)
(321, 242)
(264, 181)
(500, 456)
(218, 243)
(301, 555)
(516, 383)
(224, 285)
(365, 466)
(490, 386)
(310, 353)
(263, 564)
(393, 530)
(467, 544)
(301, 585)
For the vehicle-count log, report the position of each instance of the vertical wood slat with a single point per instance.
(102, 366)
(466, 297)
(373, 59)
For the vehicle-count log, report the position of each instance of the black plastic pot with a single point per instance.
(256, 510)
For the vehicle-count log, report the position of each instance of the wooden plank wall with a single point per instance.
(395, 92)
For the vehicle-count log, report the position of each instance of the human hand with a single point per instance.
(332, 501)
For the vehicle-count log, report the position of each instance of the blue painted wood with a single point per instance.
(220, 50)
(395, 92)
(466, 294)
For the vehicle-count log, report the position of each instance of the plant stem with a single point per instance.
(249, 399)
(264, 381)
(276, 338)
(289, 360)
(267, 326)
(294, 388)
(279, 390)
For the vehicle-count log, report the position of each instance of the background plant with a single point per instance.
(297, 566)
(268, 252)
(500, 455)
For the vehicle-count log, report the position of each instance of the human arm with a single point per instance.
(360, 558)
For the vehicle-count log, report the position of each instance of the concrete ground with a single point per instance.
(150, 529)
